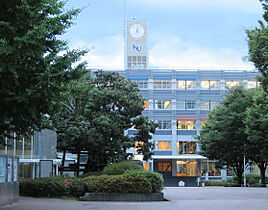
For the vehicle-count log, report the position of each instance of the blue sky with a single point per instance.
(194, 34)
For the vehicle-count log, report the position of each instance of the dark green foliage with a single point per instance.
(124, 183)
(136, 181)
(121, 167)
(33, 67)
(77, 187)
(44, 187)
(91, 173)
(258, 46)
(223, 138)
(156, 179)
(256, 129)
(216, 183)
(251, 179)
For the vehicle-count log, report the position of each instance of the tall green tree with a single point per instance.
(35, 64)
(258, 46)
(256, 128)
(106, 108)
(223, 137)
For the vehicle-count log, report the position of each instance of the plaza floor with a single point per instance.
(207, 198)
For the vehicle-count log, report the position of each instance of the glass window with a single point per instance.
(9, 169)
(164, 166)
(162, 84)
(190, 105)
(15, 169)
(204, 105)
(210, 168)
(186, 124)
(214, 84)
(205, 84)
(146, 105)
(164, 145)
(232, 83)
(187, 168)
(186, 147)
(181, 84)
(163, 124)
(252, 84)
(141, 84)
(2, 169)
(190, 84)
(181, 105)
(162, 104)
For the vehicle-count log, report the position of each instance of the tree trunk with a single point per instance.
(63, 160)
(78, 163)
(262, 168)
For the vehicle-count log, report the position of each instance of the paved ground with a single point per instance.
(205, 198)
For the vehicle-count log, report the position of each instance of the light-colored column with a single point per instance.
(14, 144)
(174, 137)
(31, 147)
(6, 146)
(23, 147)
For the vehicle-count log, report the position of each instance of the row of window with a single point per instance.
(184, 104)
(189, 168)
(191, 84)
(183, 147)
(181, 124)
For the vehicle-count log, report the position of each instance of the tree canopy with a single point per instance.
(35, 64)
(258, 46)
(256, 128)
(105, 108)
(223, 137)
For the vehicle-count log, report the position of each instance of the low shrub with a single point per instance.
(77, 187)
(124, 183)
(121, 167)
(216, 183)
(44, 187)
(252, 179)
(91, 173)
(156, 179)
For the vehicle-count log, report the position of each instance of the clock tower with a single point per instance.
(136, 53)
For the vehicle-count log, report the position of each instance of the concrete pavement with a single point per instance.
(205, 198)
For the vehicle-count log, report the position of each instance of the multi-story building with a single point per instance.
(180, 101)
(37, 154)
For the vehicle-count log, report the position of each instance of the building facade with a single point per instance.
(180, 101)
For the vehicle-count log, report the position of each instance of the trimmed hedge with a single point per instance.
(125, 183)
(138, 181)
(121, 167)
(156, 179)
(44, 187)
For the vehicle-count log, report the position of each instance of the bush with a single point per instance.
(216, 183)
(156, 179)
(77, 187)
(252, 179)
(44, 187)
(121, 167)
(91, 173)
(124, 183)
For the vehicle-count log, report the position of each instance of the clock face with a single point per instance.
(137, 31)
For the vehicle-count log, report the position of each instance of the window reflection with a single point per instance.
(187, 168)
(186, 124)
(164, 145)
(186, 147)
(232, 83)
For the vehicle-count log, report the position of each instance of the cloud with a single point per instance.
(106, 52)
(251, 6)
(179, 54)
(168, 52)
